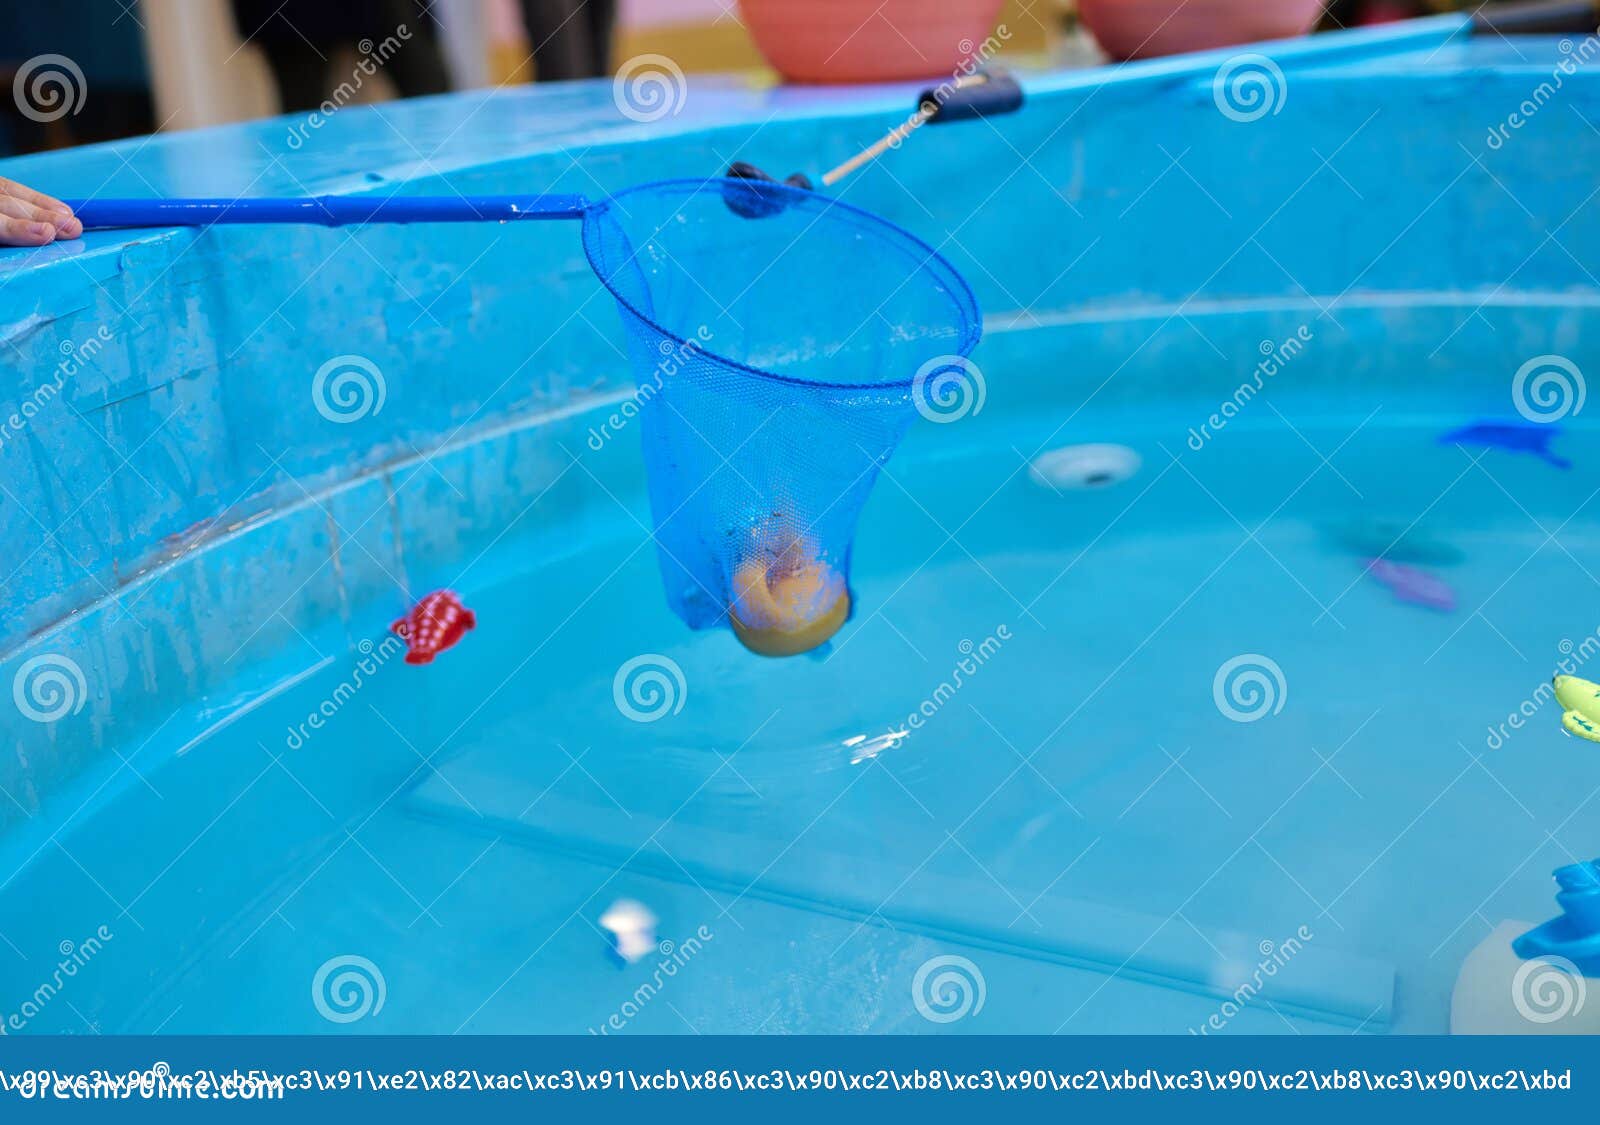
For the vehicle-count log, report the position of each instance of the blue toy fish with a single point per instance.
(1513, 437)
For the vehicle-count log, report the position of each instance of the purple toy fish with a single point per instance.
(1513, 437)
(1412, 585)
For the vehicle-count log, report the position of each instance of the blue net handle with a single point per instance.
(326, 210)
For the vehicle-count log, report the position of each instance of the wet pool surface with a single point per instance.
(1108, 750)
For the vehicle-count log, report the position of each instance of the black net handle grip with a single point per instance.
(1539, 17)
(984, 93)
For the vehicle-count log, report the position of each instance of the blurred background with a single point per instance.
(183, 64)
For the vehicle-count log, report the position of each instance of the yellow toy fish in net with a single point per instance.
(786, 598)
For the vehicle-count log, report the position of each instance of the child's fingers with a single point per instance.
(20, 202)
(25, 232)
(62, 222)
(28, 195)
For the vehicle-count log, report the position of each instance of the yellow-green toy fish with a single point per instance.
(1580, 706)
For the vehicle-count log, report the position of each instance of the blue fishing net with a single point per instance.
(776, 338)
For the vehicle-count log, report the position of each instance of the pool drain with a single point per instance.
(1084, 466)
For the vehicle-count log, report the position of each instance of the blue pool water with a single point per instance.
(1082, 764)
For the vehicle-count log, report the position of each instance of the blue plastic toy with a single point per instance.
(1514, 437)
(1574, 934)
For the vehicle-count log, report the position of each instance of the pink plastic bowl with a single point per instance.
(853, 41)
(1139, 29)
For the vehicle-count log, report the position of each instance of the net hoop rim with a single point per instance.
(962, 297)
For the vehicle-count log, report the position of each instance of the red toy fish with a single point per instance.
(433, 625)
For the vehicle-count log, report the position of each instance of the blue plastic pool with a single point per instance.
(1157, 755)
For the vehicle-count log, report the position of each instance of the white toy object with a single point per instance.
(1498, 993)
(1541, 979)
(1537, 980)
(633, 928)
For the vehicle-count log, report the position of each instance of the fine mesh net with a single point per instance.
(775, 339)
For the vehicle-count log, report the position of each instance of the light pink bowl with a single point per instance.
(856, 41)
(1141, 29)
